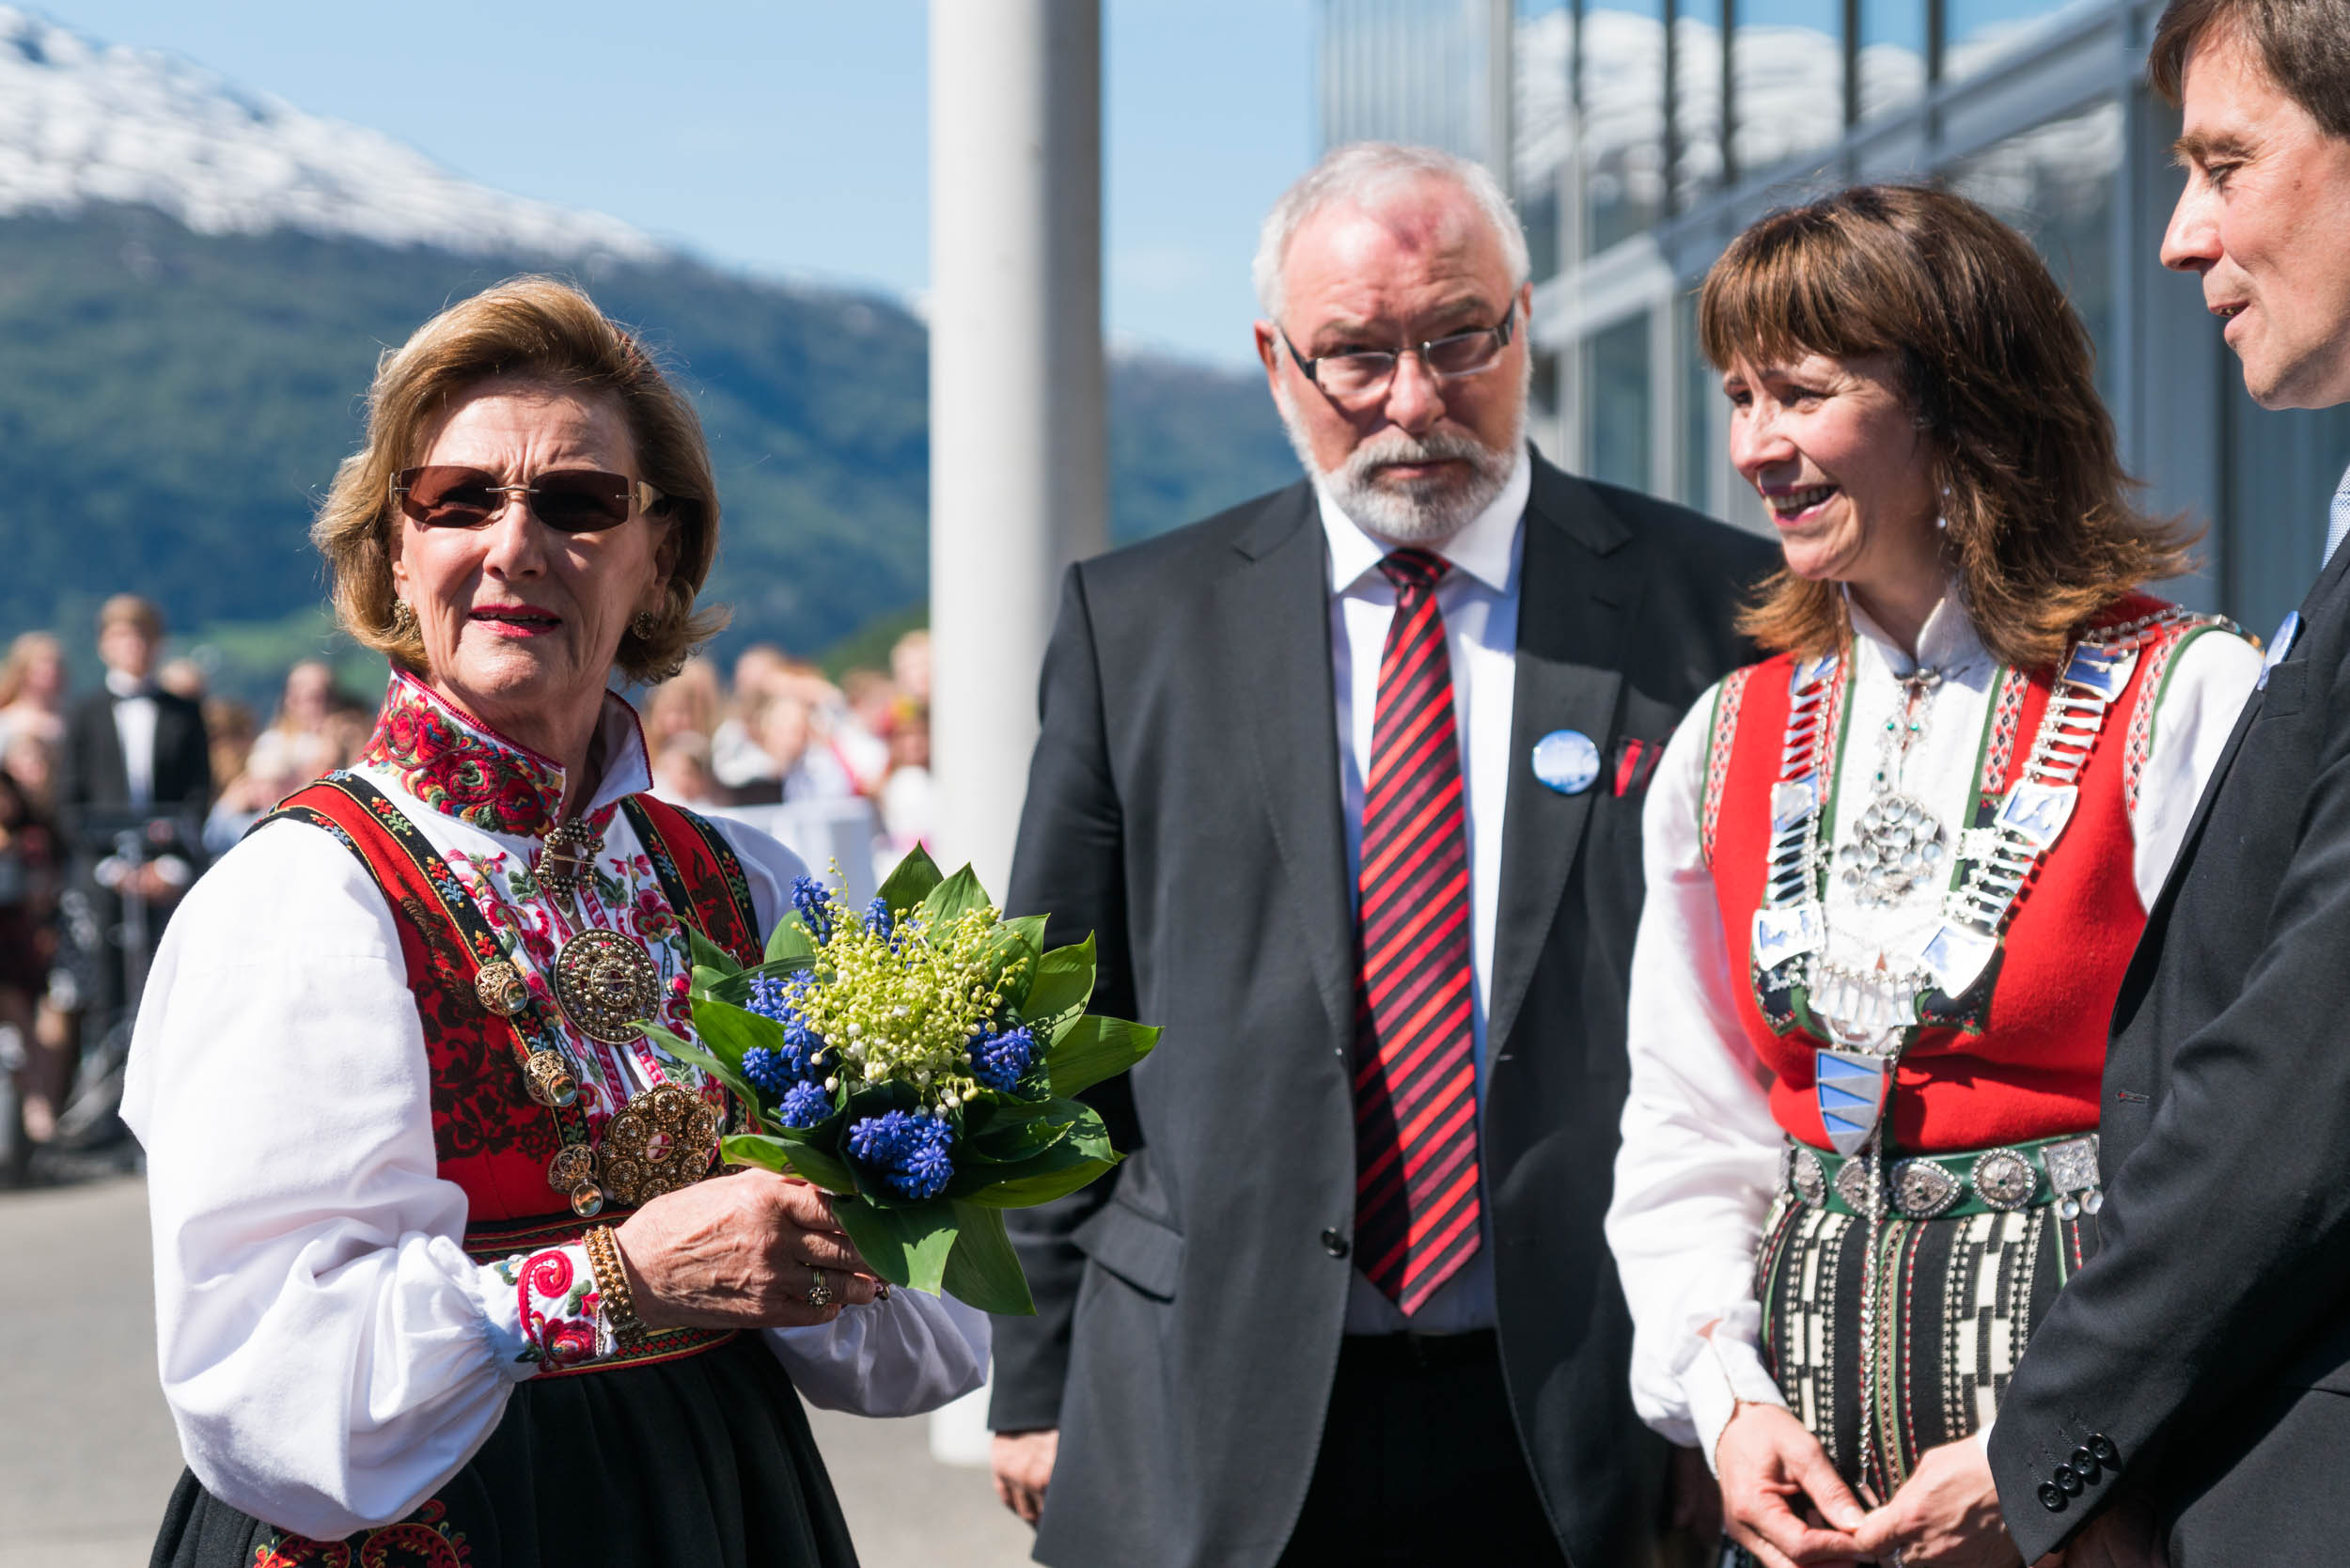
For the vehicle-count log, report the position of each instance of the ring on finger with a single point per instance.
(819, 1293)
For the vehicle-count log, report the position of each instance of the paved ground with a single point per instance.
(88, 1454)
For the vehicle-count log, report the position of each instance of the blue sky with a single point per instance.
(789, 137)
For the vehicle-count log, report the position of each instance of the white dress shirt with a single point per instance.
(1699, 1160)
(134, 727)
(330, 1353)
(1478, 598)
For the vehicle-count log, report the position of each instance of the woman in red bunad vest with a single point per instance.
(445, 1271)
(1894, 875)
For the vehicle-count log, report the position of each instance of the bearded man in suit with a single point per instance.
(2190, 1390)
(1346, 783)
(134, 757)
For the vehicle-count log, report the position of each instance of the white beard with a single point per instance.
(1417, 511)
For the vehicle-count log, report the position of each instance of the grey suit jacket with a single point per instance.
(1184, 804)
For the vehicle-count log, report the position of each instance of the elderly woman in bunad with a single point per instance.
(1894, 875)
(444, 1271)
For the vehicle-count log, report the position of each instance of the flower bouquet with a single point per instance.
(917, 1059)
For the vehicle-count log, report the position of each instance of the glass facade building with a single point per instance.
(1638, 136)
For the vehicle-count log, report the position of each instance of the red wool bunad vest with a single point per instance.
(2020, 1053)
(492, 1138)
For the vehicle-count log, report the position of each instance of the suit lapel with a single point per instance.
(1577, 594)
(1274, 628)
(2315, 603)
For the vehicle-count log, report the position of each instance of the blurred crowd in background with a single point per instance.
(99, 833)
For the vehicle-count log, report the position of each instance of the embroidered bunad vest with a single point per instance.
(490, 1137)
(2020, 1053)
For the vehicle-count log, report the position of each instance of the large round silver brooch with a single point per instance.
(2005, 1180)
(608, 985)
(662, 1140)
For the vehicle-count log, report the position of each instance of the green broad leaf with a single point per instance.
(789, 1157)
(1063, 986)
(1008, 1139)
(906, 886)
(1030, 928)
(729, 1073)
(791, 939)
(1026, 1191)
(728, 1031)
(957, 895)
(983, 1271)
(908, 1247)
(1087, 1133)
(1095, 1048)
(708, 954)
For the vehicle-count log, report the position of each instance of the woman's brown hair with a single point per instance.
(1998, 374)
(545, 331)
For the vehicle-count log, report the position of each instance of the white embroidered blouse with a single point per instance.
(330, 1353)
(1699, 1160)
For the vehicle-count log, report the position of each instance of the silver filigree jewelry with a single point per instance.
(1923, 1189)
(2072, 1176)
(1806, 1177)
(2005, 1180)
(1896, 845)
(1856, 1185)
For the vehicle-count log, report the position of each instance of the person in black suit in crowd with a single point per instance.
(2190, 1389)
(1346, 782)
(132, 751)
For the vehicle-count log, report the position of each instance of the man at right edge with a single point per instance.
(2189, 1392)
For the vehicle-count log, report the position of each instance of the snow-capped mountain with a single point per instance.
(83, 122)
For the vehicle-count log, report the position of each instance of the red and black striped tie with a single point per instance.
(1415, 1192)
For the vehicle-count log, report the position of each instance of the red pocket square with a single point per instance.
(1635, 760)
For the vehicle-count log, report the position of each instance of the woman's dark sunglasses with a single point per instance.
(569, 500)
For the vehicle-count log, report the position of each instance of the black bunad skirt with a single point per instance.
(706, 1460)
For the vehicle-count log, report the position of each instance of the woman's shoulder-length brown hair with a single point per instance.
(543, 330)
(1999, 370)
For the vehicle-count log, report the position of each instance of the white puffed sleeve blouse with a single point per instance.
(330, 1353)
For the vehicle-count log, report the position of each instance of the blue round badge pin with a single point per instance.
(1566, 761)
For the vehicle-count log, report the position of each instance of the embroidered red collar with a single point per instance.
(460, 767)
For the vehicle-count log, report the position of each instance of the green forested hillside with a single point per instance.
(173, 404)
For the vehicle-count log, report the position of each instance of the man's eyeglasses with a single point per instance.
(569, 500)
(1362, 372)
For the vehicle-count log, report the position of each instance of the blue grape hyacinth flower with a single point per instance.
(878, 919)
(998, 1059)
(778, 1000)
(909, 1149)
(773, 1073)
(813, 899)
(803, 1104)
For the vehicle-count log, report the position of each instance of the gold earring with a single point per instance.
(404, 618)
(645, 625)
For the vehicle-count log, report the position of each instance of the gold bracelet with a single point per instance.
(620, 1302)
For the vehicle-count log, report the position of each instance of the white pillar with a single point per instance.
(1019, 461)
(1019, 437)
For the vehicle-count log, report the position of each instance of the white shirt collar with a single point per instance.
(1486, 549)
(1948, 641)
